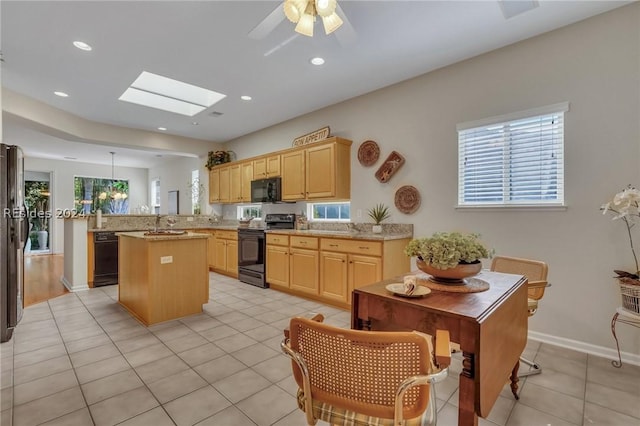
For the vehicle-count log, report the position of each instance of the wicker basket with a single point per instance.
(630, 297)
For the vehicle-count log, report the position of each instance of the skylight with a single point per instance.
(156, 91)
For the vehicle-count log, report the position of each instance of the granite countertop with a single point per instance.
(343, 234)
(163, 236)
(135, 229)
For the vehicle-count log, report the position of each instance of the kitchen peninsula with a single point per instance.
(163, 276)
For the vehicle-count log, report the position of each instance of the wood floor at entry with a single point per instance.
(42, 278)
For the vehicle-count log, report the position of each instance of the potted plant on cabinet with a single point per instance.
(449, 257)
(215, 158)
(378, 213)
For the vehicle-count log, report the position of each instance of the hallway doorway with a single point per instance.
(37, 191)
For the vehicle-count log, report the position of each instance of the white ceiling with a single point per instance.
(205, 43)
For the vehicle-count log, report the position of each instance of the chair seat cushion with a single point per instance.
(342, 417)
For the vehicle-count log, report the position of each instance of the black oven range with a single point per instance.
(252, 248)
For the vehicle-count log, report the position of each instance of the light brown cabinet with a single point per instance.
(214, 185)
(321, 171)
(328, 269)
(225, 252)
(277, 260)
(266, 167)
(303, 264)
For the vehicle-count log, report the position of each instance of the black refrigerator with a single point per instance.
(13, 235)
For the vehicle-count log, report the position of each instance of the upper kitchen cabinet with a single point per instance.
(321, 171)
(246, 173)
(224, 184)
(214, 185)
(266, 167)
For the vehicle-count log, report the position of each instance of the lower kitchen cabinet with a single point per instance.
(225, 252)
(329, 269)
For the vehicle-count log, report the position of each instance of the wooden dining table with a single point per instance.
(490, 326)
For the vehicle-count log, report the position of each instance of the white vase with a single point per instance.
(376, 229)
(43, 236)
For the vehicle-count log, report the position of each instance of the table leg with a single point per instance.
(514, 380)
(467, 415)
(615, 363)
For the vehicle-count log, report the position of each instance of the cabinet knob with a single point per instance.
(363, 248)
(333, 245)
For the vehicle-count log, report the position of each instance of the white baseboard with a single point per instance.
(71, 287)
(601, 351)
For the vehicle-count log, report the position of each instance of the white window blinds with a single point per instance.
(513, 160)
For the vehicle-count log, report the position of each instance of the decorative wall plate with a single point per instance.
(390, 166)
(407, 199)
(368, 153)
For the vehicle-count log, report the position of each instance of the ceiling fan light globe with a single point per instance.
(291, 11)
(305, 25)
(325, 7)
(331, 23)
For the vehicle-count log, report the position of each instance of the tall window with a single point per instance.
(108, 195)
(513, 160)
(155, 195)
(197, 189)
(329, 211)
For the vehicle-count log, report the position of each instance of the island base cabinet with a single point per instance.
(163, 280)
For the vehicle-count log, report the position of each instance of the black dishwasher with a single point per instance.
(106, 258)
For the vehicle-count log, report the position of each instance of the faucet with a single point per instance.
(155, 229)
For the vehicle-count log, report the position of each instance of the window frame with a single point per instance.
(558, 203)
(241, 211)
(310, 216)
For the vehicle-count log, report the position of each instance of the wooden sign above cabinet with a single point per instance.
(316, 136)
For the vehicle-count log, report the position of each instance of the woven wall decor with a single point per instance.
(407, 199)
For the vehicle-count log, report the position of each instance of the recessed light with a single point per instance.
(61, 94)
(245, 98)
(162, 128)
(82, 45)
(317, 61)
(194, 123)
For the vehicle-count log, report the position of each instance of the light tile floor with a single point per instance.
(80, 359)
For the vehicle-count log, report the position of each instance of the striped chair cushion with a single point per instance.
(342, 417)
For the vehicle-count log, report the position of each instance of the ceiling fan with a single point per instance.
(304, 13)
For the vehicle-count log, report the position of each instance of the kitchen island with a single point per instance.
(162, 276)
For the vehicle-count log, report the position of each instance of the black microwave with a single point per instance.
(266, 190)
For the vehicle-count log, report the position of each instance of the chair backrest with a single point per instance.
(535, 271)
(361, 370)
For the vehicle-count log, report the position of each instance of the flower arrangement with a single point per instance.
(445, 250)
(625, 207)
(215, 158)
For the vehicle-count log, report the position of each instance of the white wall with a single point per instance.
(176, 175)
(594, 65)
(62, 188)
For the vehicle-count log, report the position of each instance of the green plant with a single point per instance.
(215, 158)
(445, 250)
(378, 213)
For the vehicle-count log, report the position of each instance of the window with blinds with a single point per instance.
(513, 160)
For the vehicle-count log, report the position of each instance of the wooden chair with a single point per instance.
(536, 273)
(363, 378)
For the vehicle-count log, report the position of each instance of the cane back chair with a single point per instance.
(365, 378)
(536, 273)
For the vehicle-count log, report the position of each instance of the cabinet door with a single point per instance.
(235, 183)
(247, 177)
(273, 166)
(363, 270)
(334, 276)
(320, 172)
(214, 186)
(225, 195)
(260, 168)
(293, 175)
(220, 254)
(277, 266)
(211, 249)
(303, 270)
(232, 257)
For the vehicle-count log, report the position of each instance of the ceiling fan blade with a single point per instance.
(346, 35)
(281, 45)
(268, 24)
